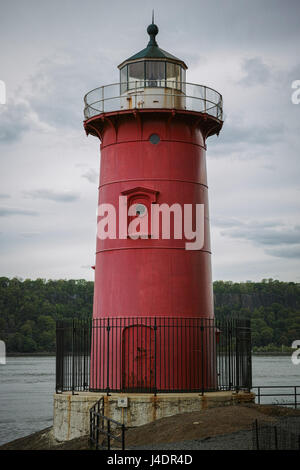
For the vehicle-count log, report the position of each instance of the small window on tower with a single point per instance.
(141, 210)
(139, 202)
(154, 139)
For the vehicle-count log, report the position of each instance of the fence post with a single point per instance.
(155, 358)
(237, 358)
(249, 360)
(107, 357)
(59, 357)
(84, 351)
(256, 433)
(276, 437)
(202, 358)
(228, 352)
(73, 360)
(295, 391)
(56, 363)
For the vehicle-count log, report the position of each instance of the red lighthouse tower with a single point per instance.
(151, 290)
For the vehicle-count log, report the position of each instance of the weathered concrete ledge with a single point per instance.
(71, 412)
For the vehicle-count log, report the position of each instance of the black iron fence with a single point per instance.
(284, 395)
(153, 354)
(279, 436)
(105, 431)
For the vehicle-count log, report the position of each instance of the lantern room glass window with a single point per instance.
(173, 75)
(136, 75)
(123, 79)
(152, 73)
(155, 73)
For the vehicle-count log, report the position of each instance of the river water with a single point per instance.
(27, 385)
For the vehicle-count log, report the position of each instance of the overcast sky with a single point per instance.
(52, 53)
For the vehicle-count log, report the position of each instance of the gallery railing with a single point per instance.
(153, 94)
(153, 354)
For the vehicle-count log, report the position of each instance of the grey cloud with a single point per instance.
(256, 72)
(234, 134)
(229, 222)
(7, 211)
(52, 97)
(56, 92)
(51, 195)
(285, 251)
(264, 234)
(4, 196)
(266, 31)
(293, 73)
(267, 224)
(14, 121)
(29, 234)
(226, 222)
(91, 175)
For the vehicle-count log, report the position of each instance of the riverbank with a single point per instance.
(272, 353)
(212, 429)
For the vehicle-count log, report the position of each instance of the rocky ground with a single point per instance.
(212, 429)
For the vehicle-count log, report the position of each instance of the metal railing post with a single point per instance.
(108, 434)
(97, 430)
(91, 426)
(123, 437)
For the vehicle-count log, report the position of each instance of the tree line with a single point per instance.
(30, 308)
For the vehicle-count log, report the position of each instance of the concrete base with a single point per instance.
(71, 412)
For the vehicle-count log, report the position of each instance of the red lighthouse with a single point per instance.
(153, 283)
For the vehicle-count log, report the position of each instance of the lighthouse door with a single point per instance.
(138, 358)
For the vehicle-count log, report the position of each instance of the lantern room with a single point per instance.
(148, 71)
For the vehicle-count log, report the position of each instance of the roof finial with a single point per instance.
(152, 30)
